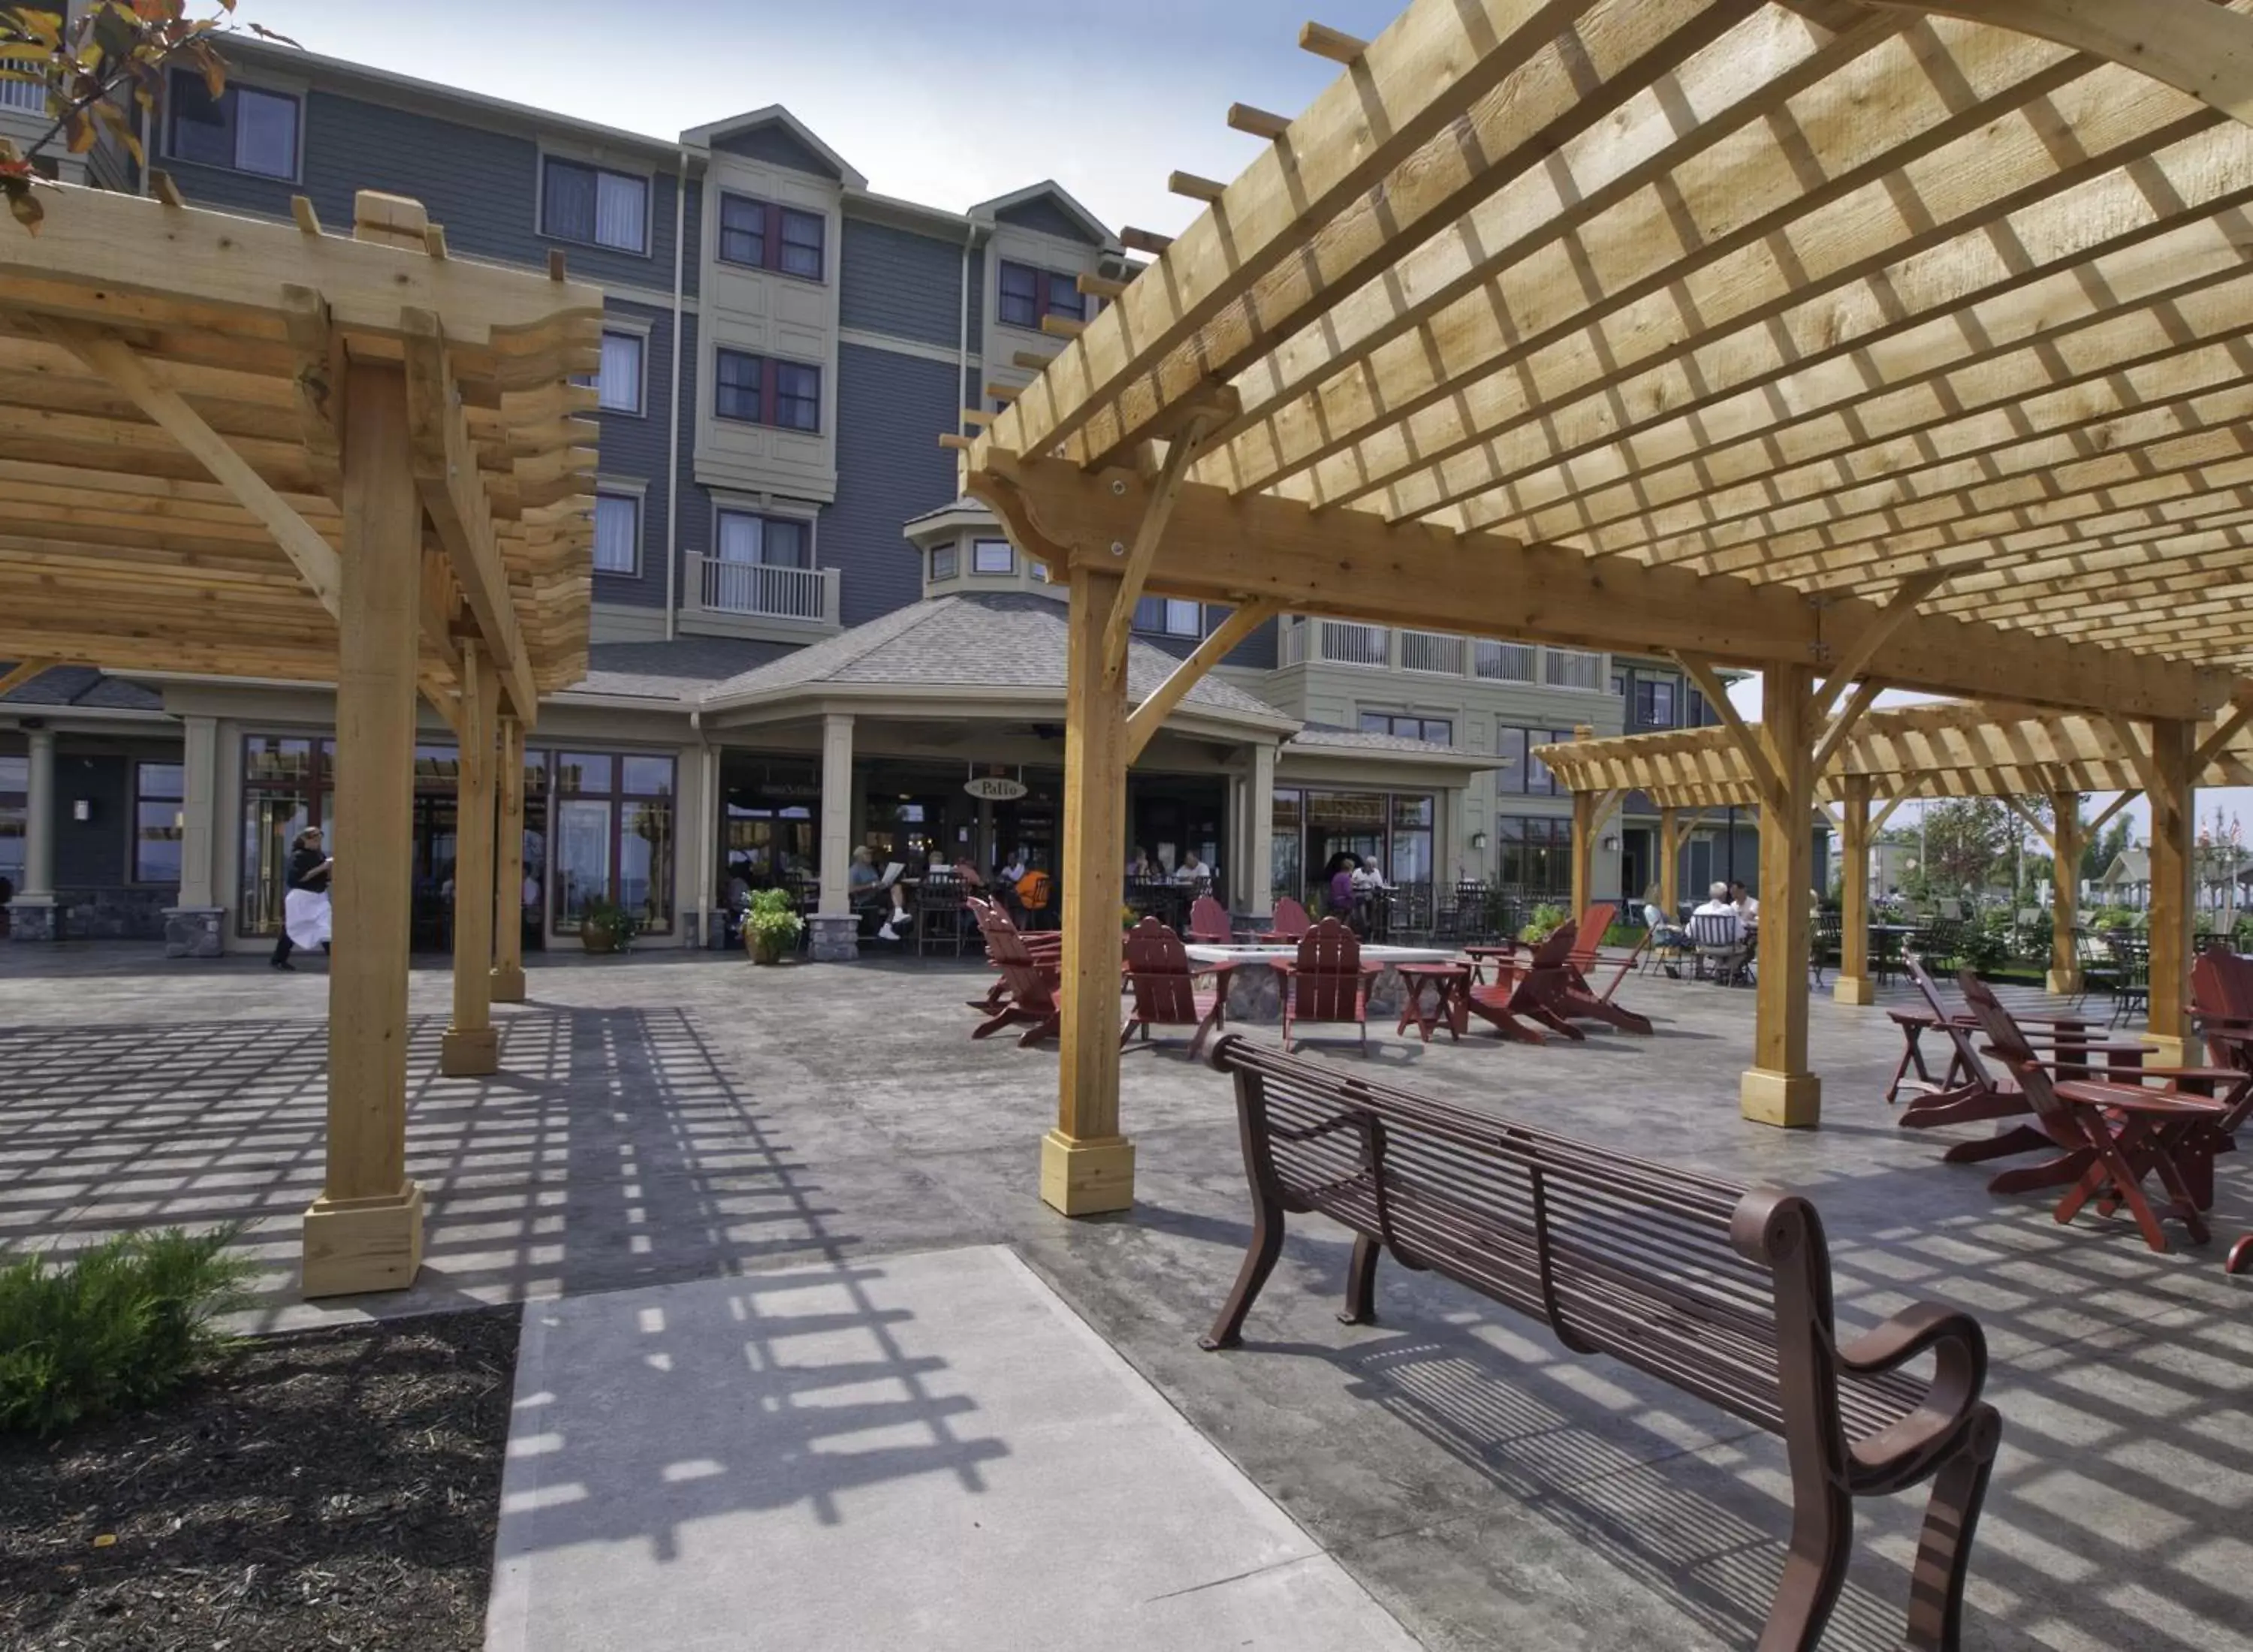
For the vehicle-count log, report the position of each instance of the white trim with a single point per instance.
(944, 353)
(640, 325)
(606, 482)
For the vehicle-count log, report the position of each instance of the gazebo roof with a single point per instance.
(170, 440)
(1707, 326)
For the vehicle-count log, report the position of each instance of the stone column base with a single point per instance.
(362, 1244)
(1854, 989)
(470, 1054)
(34, 918)
(836, 937)
(508, 984)
(1792, 1100)
(194, 931)
(2170, 1052)
(2066, 983)
(1086, 1178)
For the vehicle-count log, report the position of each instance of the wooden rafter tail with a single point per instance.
(955, 441)
(165, 188)
(1062, 326)
(1191, 186)
(1003, 392)
(978, 417)
(301, 211)
(1097, 286)
(1144, 241)
(1243, 117)
(1335, 44)
(1033, 360)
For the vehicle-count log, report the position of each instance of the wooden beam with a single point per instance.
(1335, 44)
(1780, 1088)
(2104, 816)
(1761, 759)
(2217, 742)
(1843, 725)
(2173, 892)
(1144, 721)
(321, 364)
(1243, 117)
(2065, 886)
(452, 489)
(508, 880)
(1853, 985)
(2143, 762)
(1891, 617)
(2029, 819)
(1144, 241)
(1033, 360)
(471, 1045)
(2193, 45)
(1157, 508)
(313, 557)
(1195, 188)
(23, 672)
(1096, 287)
(1062, 326)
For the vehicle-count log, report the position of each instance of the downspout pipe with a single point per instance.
(673, 432)
(962, 334)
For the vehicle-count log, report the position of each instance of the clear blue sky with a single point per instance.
(947, 104)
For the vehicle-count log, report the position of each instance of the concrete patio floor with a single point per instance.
(671, 1117)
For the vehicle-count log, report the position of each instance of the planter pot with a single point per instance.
(597, 938)
(768, 949)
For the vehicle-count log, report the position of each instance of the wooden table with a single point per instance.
(1502, 958)
(1450, 999)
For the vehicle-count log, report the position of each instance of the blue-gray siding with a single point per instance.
(890, 468)
(900, 284)
(633, 445)
(1042, 215)
(483, 186)
(776, 145)
(978, 295)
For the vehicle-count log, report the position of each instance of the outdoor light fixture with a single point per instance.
(82, 809)
(1611, 842)
(1478, 839)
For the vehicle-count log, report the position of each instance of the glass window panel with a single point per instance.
(738, 379)
(743, 230)
(201, 130)
(740, 536)
(943, 561)
(270, 825)
(645, 863)
(583, 855)
(784, 542)
(646, 777)
(1375, 722)
(619, 383)
(1412, 811)
(1065, 298)
(621, 211)
(798, 396)
(582, 772)
(802, 234)
(992, 556)
(157, 842)
(265, 131)
(568, 201)
(1020, 295)
(1510, 748)
(1184, 618)
(618, 534)
(274, 758)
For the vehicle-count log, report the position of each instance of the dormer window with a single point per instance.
(761, 235)
(1027, 294)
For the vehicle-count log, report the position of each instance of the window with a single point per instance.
(1441, 731)
(943, 561)
(992, 556)
(1169, 616)
(618, 385)
(761, 390)
(1027, 293)
(774, 541)
(1534, 854)
(761, 235)
(157, 791)
(244, 129)
(1654, 702)
(614, 836)
(1524, 771)
(618, 534)
(288, 784)
(594, 204)
(1693, 710)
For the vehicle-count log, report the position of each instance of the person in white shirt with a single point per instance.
(1192, 870)
(1748, 908)
(1717, 906)
(1367, 876)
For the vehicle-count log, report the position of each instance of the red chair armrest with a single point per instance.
(2155, 1104)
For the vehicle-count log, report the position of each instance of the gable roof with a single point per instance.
(712, 134)
(60, 686)
(1054, 193)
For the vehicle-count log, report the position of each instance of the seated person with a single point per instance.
(1192, 870)
(1665, 934)
(1719, 909)
(866, 890)
(1748, 908)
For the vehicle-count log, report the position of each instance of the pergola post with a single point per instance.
(1854, 985)
(471, 1045)
(1670, 853)
(1779, 1089)
(1583, 848)
(364, 1232)
(1086, 1164)
(835, 939)
(2171, 797)
(2065, 886)
(508, 872)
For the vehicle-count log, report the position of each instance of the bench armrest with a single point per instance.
(1959, 1351)
(1918, 1328)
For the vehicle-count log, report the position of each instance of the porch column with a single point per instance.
(1086, 1166)
(1779, 1089)
(364, 1232)
(2172, 796)
(1257, 893)
(31, 913)
(1670, 854)
(192, 926)
(471, 1045)
(2065, 883)
(1852, 986)
(835, 939)
(508, 871)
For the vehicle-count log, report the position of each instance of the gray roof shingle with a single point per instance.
(81, 686)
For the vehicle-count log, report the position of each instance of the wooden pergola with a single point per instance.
(1947, 749)
(1848, 342)
(263, 450)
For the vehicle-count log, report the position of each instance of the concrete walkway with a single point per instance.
(932, 1451)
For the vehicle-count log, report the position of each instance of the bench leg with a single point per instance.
(1361, 1282)
(1259, 1262)
(1943, 1552)
(1822, 1539)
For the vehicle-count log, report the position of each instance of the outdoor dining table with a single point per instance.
(1449, 1005)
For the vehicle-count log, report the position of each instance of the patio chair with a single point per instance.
(1327, 983)
(1554, 992)
(1166, 990)
(1825, 946)
(2131, 960)
(1030, 984)
(2113, 1136)
(1722, 947)
(940, 920)
(1290, 922)
(1208, 921)
(1044, 945)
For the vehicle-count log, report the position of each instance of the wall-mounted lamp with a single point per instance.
(1611, 843)
(1478, 839)
(82, 809)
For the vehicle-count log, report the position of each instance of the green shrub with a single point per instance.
(1547, 921)
(1623, 935)
(114, 1328)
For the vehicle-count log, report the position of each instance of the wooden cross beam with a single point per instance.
(2146, 765)
(1842, 724)
(1144, 721)
(2217, 742)
(2031, 818)
(2104, 816)
(1856, 660)
(1767, 772)
(1180, 456)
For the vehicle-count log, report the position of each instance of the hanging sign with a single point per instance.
(995, 788)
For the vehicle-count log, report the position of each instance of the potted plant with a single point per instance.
(771, 927)
(605, 926)
(1545, 922)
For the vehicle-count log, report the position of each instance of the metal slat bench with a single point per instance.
(1720, 1291)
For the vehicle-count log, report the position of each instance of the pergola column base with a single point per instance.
(835, 940)
(2066, 983)
(1086, 1178)
(2168, 1051)
(352, 1245)
(470, 1052)
(508, 983)
(1793, 1101)
(1854, 989)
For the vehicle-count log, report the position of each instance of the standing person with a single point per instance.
(305, 906)
(1339, 873)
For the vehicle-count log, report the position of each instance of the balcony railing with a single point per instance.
(1333, 642)
(23, 94)
(762, 590)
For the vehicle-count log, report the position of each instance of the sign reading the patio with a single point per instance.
(995, 788)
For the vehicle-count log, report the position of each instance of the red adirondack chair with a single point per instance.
(1208, 921)
(1166, 990)
(1045, 945)
(1028, 985)
(2113, 1135)
(1587, 953)
(1290, 922)
(1327, 983)
(1554, 993)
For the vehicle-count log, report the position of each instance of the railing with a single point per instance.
(1572, 668)
(1336, 642)
(1505, 662)
(1433, 651)
(24, 95)
(765, 590)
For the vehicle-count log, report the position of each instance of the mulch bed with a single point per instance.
(336, 1488)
